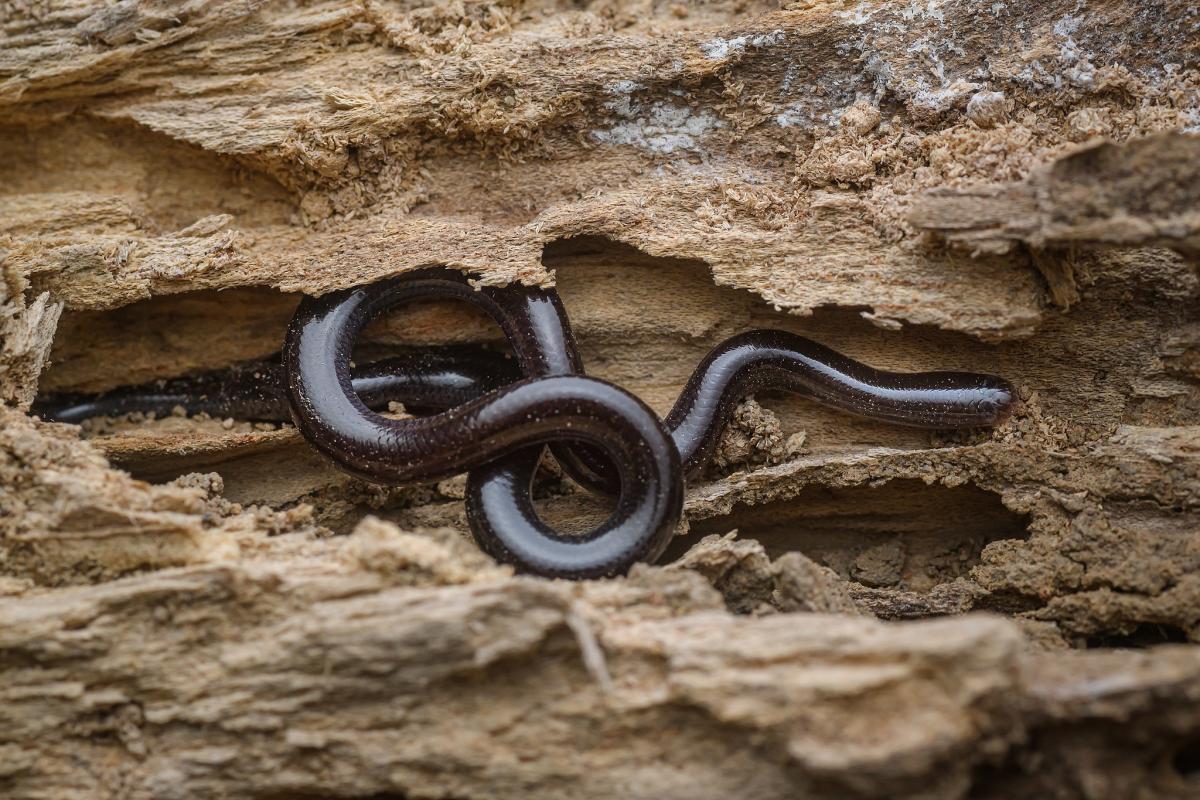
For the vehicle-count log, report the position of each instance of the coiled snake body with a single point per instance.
(493, 420)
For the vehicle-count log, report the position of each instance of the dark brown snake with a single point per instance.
(494, 418)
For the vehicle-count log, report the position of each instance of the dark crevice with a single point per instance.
(991, 781)
(903, 535)
(1009, 602)
(164, 337)
(1186, 760)
(1146, 634)
(566, 249)
(182, 334)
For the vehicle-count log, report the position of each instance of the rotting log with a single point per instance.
(203, 608)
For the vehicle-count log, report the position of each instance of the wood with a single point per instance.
(203, 608)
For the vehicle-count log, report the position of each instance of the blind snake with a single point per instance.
(493, 423)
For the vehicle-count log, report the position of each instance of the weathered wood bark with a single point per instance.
(203, 608)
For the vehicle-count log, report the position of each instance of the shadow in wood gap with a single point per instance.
(1145, 634)
(904, 535)
(1186, 760)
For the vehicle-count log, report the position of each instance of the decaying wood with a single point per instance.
(204, 608)
(1144, 192)
(329, 678)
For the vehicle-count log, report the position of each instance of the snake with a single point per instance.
(493, 418)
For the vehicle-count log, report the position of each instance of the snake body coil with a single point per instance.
(494, 425)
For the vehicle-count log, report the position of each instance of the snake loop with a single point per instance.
(516, 419)
(494, 423)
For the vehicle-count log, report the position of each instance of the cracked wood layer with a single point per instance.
(1144, 192)
(334, 680)
(203, 608)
